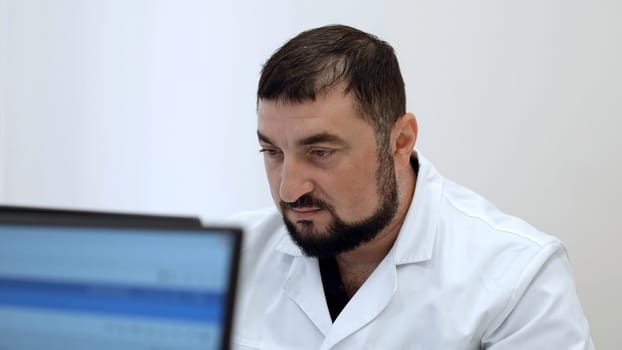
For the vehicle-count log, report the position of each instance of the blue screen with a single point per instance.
(104, 288)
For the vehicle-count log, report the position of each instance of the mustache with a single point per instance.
(304, 201)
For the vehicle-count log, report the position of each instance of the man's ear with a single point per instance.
(403, 139)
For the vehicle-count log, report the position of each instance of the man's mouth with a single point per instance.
(303, 213)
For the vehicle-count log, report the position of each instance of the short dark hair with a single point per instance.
(317, 60)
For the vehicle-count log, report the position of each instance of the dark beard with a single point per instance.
(341, 236)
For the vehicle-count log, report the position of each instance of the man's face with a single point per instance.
(335, 191)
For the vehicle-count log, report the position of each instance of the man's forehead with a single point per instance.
(331, 118)
(299, 126)
(311, 113)
(277, 109)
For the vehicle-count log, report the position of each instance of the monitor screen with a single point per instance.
(105, 287)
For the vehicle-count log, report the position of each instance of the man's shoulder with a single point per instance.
(462, 213)
(474, 211)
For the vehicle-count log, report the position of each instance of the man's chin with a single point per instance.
(310, 229)
(307, 229)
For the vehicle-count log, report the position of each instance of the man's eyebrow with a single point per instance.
(263, 138)
(322, 138)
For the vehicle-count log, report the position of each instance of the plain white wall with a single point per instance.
(149, 106)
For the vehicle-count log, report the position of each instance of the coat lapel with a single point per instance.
(304, 286)
(366, 304)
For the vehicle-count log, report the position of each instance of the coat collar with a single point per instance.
(415, 242)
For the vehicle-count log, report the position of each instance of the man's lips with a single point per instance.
(303, 213)
(305, 209)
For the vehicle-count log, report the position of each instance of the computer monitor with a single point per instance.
(80, 283)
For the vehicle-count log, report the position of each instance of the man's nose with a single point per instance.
(295, 181)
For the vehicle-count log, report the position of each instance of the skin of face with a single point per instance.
(324, 170)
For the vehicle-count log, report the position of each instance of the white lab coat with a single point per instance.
(461, 275)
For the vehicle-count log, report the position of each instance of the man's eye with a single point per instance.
(269, 152)
(321, 153)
